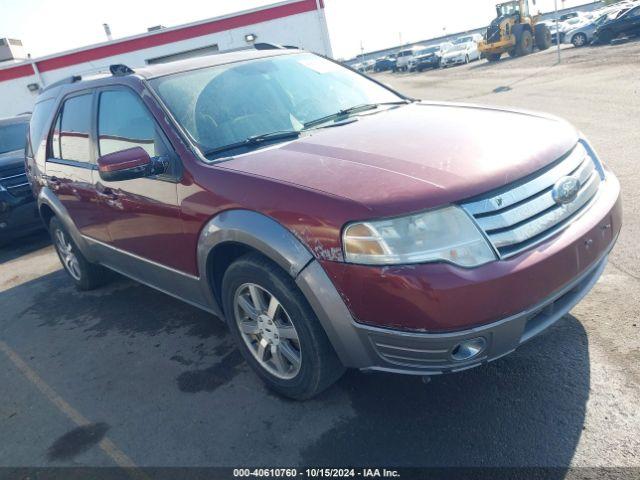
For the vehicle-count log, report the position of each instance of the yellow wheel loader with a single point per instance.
(514, 31)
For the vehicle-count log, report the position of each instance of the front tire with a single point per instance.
(84, 274)
(276, 330)
(494, 57)
(605, 37)
(525, 44)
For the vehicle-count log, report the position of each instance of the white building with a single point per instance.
(293, 22)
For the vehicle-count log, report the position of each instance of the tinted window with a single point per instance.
(124, 122)
(71, 136)
(12, 137)
(39, 119)
(634, 13)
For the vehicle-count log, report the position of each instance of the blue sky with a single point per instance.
(47, 26)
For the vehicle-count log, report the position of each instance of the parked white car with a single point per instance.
(474, 37)
(460, 54)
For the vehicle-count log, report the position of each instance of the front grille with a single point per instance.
(521, 216)
(14, 180)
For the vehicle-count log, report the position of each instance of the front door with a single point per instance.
(141, 215)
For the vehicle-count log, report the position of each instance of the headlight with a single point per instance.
(447, 235)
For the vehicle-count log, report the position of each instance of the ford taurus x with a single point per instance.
(333, 222)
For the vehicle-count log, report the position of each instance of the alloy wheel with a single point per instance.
(267, 330)
(67, 255)
(579, 40)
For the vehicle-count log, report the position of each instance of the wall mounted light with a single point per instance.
(250, 37)
(34, 87)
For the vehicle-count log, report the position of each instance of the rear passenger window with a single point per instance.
(124, 123)
(71, 133)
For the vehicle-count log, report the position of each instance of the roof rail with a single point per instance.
(120, 70)
(273, 46)
(64, 81)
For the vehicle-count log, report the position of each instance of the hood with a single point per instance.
(11, 158)
(415, 157)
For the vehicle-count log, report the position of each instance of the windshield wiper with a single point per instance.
(255, 140)
(350, 111)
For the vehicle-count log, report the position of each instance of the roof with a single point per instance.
(154, 71)
(162, 69)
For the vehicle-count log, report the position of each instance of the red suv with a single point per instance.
(332, 221)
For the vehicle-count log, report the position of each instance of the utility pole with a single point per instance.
(558, 30)
(107, 31)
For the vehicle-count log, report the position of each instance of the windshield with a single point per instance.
(13, 137)
(227, 104)
(427, 51)
(508, 8)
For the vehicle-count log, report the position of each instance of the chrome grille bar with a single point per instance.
(524, 215)
(530, 188)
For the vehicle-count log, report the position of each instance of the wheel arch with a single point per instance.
(233, 233)
(49, 206)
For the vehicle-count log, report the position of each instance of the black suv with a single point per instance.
(18, 212)
(626, 24)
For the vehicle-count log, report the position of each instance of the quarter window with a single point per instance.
(71, 139)
(124, 123)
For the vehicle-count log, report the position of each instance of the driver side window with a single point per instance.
(124, 123)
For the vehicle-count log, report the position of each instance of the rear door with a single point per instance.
(71, 161)
(141, 215)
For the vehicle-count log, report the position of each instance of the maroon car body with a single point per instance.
(406, 317)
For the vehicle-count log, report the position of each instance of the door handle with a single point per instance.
(54, 182)
(107, 194)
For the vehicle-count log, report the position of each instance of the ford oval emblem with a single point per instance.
(565, 190)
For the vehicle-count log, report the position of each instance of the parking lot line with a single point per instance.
(117, 455)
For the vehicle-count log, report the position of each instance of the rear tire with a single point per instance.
(543, 37)
(283, 342)
(579, 40)
(84, 274)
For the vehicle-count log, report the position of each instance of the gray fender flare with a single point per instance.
(48, 198)
(281, 246)
(254, 230)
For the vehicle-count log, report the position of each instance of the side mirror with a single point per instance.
(126, 165)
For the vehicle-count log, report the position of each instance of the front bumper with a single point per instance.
(432, 354)
(427, 64)
(453, 61)
(18, 216)
(409, 319)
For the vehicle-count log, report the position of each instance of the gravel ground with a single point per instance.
(128, 376)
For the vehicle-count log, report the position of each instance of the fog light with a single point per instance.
(468, 349)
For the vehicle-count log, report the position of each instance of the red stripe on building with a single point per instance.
(16, 72)
(161, 38)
